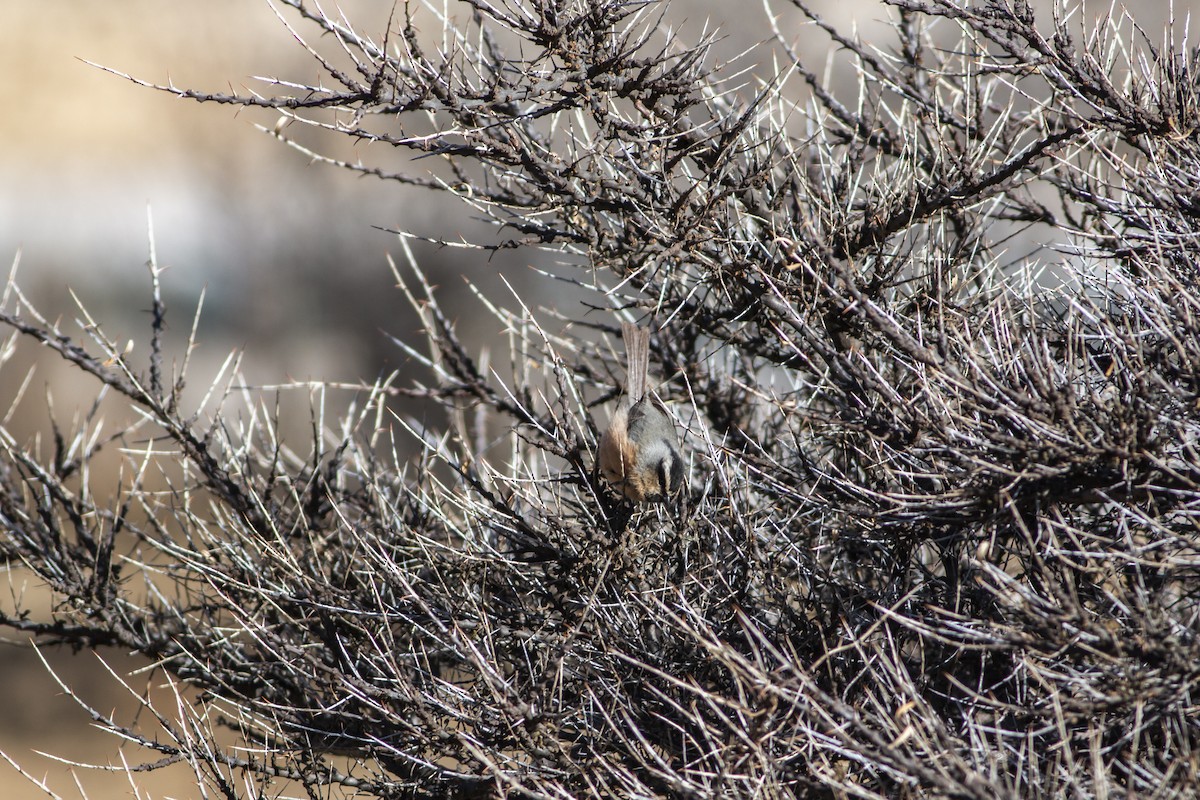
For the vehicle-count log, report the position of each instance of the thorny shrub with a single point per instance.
(934, 344)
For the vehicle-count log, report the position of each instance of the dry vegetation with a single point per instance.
(935, 344)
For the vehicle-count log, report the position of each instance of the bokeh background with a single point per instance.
(289, 253)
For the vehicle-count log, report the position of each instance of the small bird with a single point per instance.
(639, 454)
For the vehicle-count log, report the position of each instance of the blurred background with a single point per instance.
(290, 253)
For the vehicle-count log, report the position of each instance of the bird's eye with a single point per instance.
(670, 474)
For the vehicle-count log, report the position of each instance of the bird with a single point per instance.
(639, 451)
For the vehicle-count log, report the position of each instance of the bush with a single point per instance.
(935, 348)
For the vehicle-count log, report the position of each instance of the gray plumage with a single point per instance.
(639, 453)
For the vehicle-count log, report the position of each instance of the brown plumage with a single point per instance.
(638, 454)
